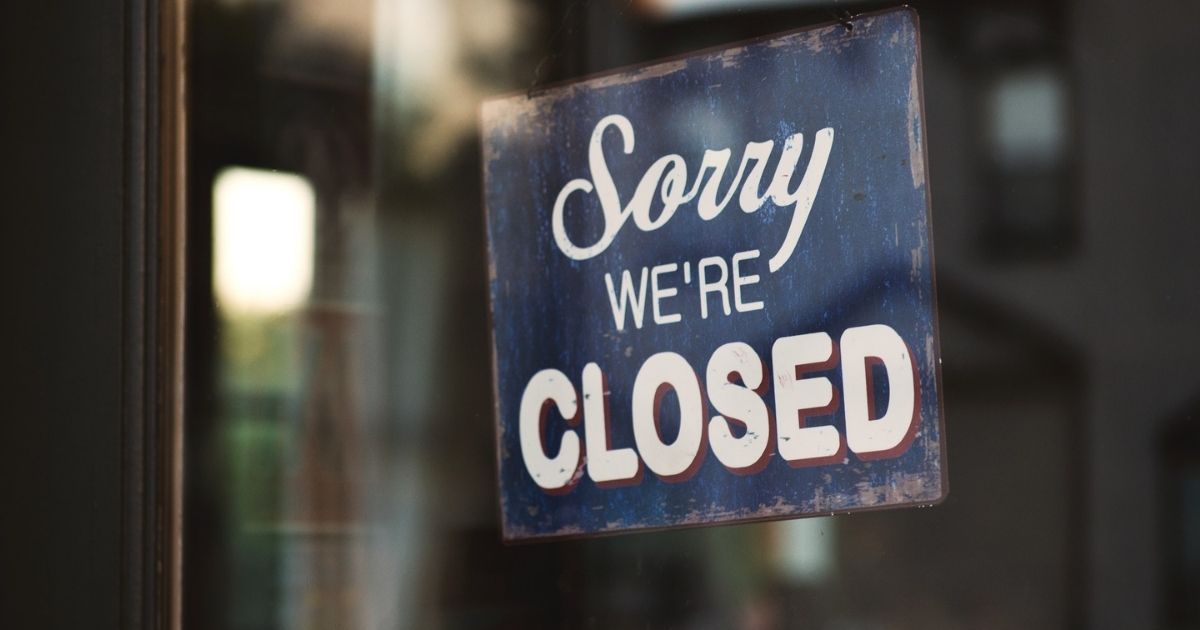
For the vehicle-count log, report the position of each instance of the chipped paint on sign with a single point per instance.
(712, 288)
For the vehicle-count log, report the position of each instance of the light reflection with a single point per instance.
(1028, 124)
(263, 241)
(684, 9)
(806, 549)
(433, 63)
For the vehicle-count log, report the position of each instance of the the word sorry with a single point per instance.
(668, 176)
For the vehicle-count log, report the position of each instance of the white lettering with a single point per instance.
(740, 404)
(668, 177)
(707, 287)
(740, 281)
(890, 435)
(679, 459)
(735, 383)
(797, 398)
(605, 465)
(657, 294)
(628, 298)
(805, 193)
(606, 192)
(556, 473)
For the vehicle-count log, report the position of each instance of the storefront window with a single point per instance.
(340, 465)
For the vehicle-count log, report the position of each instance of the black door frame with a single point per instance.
(92, 263)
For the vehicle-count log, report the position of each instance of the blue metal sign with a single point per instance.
(712, 288)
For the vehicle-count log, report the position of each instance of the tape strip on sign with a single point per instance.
(712, 288)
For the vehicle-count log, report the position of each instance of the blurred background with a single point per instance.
(340, 467)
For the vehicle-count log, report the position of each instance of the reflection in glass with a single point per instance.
(340, 430)
(263, 241)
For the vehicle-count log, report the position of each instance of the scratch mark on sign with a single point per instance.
(916, 160)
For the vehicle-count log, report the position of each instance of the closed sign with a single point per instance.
(712, 288)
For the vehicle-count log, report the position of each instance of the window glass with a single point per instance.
(340, 464)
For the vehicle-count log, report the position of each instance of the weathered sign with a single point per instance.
(712, 288)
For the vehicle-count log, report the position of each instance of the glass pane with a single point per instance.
(341, 465)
